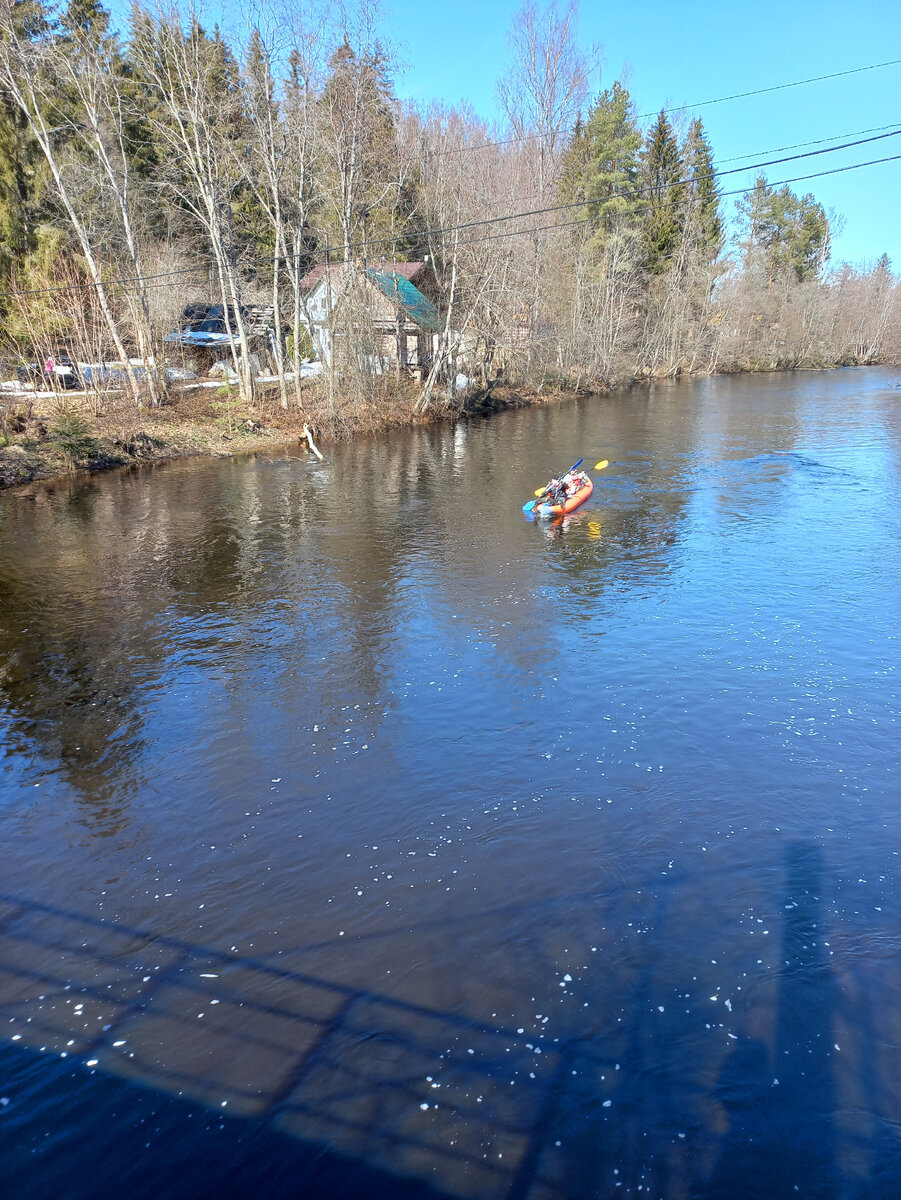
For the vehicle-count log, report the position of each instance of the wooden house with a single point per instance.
(385, 316)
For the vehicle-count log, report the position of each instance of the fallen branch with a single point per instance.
(308, 435)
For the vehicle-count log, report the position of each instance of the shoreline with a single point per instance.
(118, 437)
(36, 454)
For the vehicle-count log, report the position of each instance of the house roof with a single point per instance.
(310, 280)
(408, 270)
(397, 287)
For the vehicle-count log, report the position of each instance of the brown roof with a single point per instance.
(409, 270)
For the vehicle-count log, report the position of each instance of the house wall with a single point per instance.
(333, 291)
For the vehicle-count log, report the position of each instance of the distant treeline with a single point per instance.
(165, 164)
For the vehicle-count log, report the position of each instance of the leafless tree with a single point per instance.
(90, 73)
(29, 76)
(198, 117)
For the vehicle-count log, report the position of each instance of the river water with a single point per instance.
(364, 838)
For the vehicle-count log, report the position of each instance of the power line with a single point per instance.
(630, 194)
(732, 192)
(557, 225)
(633, 192)
(777, 87)
(816, 142)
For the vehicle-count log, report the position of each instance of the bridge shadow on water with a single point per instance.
(144, 1144)
(140, 1065)
(156, 1067)
(781, 1104)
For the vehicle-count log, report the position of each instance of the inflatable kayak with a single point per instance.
(569, 504)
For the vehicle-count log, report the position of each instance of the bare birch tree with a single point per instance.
(197, 116)
(301, 87)
(29, 66)
(89, 71)
(542, 94)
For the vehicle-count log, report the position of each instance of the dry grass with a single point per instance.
(204, 420)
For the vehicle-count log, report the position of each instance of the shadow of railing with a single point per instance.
(780, 1101)
(416, 1091)
(428, 1096)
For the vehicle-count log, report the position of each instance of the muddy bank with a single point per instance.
(30, 459)
(49, 437)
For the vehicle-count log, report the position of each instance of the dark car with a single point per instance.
(204, 325)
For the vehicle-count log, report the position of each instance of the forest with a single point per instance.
(575, 245)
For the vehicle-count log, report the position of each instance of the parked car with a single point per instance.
(204, 325)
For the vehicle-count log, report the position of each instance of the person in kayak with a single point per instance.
(561, 490)
(556, 491)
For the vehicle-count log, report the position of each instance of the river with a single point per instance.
(364, 838)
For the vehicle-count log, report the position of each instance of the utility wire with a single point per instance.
(777, 87)
(557, 225)
(635, 192)
(631, 194)
(815, 142)
(733, 192)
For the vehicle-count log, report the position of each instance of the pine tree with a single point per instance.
(663, 195)
(783, 235)
(601, 165)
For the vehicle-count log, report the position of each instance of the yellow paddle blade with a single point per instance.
(597, 466)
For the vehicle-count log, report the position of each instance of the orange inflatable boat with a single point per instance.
(569, 504)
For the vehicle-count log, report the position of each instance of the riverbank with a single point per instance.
(48, 436)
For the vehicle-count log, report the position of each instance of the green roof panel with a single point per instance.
(419, 308)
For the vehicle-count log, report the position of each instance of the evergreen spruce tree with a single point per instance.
(601, 165)
(85, 20)
(21, 175)
(573, 164)
(17, 161)
(360, 160)
(297, 89)
(663, 195)
(702, 198)
(883, 268)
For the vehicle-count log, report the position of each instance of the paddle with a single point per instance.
(574, 467)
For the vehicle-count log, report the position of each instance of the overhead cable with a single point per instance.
(776, 87)
(583, 203)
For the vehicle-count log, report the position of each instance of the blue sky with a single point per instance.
(676, 54)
